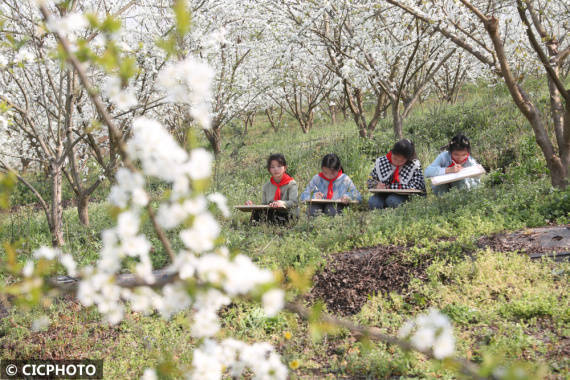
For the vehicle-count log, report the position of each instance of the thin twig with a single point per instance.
(374, 333)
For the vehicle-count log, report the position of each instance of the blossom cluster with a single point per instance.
(233, 356)
(123, 98)
(433, 331)
(67, 25)
(188, 82)
(47, 253)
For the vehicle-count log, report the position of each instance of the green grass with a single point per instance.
(503, 305)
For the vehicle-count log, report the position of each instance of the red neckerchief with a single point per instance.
(396, 176)
(330, 188)
(284, 180)
(453, 163)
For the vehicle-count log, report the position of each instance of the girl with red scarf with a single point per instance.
(280, 192)
(399, 169)
(453, 160)
(331, 183)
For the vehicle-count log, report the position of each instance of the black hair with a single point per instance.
(459, 142)
(331, 161)
(279, 157)
(405, 148)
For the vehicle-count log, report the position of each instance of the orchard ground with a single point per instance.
(428, 253)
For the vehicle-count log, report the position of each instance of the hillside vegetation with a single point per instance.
(504, 307)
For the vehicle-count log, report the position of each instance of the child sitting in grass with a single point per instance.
(399, 169)
(330, 183)
(280, 192)
(453, 160)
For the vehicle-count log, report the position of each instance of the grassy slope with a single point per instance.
(502, 305)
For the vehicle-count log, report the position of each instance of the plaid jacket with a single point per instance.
(411, 176)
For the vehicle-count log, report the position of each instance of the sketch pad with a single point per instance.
(396, 191)
(469, 172)
(249, 208)
(329, 201)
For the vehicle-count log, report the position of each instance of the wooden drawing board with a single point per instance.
(469, 172)
(328, 201)
(249, 208)
(396, 191)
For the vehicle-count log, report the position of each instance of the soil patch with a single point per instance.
(350, 277)
(536, 242)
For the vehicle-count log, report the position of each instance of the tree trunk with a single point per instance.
(275, 121)
(397, 120)
(56, 215)
(362, 132)
(248, 122)
(306, 120)
(83, 209)
(214, 137)
(310, 119)
(332, 110)
(558, 169)
(558, 172)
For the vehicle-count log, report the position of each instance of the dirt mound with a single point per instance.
(535, 242)
(350, 277)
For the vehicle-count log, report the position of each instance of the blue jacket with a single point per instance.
(343, 185)
(443, 160)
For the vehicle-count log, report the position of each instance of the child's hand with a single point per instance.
(345, 199)
(453, 169)
(380, 186)
(318, 195)
(278, 204)
(248, 203)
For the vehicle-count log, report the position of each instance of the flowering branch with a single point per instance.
(374, 333)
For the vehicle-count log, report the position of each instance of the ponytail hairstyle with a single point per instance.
(279, 157)
(459, 142)
(331, 161)
(405, 148)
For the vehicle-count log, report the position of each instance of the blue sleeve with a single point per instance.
(352, 191)
(306, 195)
(437, 167)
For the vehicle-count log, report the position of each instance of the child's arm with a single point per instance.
(267, 193)
(292, 195)
(264, 200)
(417, 182)
(351, 190)
(373, 179)
(306, 195)
(437, 167)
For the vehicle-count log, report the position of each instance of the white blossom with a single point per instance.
(201, 236)
(69, 264)
(68, 24)
(46, 253)
(273, 301)
(149, 374)
(200, 165)
(432, 330)
(221, 202)
(28, 269)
